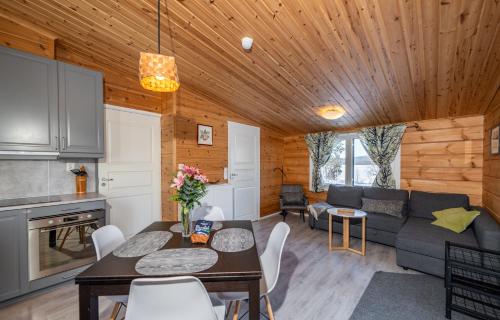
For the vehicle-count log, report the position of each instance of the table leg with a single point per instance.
(363, 236)
(89, 304)
(254, 300)
(346, 233)
(330, 232)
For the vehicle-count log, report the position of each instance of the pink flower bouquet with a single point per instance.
(190, 185)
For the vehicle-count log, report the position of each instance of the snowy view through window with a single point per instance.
(362, 168)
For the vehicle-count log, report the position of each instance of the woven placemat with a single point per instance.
(142, 244)
(176, 261)
(233, 240)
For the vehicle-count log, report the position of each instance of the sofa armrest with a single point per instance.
(486, 230)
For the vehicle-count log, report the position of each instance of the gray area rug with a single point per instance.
(403, 296)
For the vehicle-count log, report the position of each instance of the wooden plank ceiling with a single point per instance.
(384, 61)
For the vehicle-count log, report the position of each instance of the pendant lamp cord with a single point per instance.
(158, 26)
(169, 28)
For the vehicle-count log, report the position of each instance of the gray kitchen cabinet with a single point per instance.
(81, 112)
(14, 254)
(28, 104)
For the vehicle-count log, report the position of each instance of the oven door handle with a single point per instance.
(42, 230)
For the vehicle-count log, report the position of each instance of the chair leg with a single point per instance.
(116, 310)
(236, 310)
(269, 308)
(68, 232)
(228, 309)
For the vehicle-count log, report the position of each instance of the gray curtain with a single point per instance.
(382, 145)
(320, 148)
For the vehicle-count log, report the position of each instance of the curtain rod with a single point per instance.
(414, 125)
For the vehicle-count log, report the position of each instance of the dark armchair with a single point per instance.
(292, 197)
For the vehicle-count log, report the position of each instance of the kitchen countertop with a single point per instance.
(35, 202)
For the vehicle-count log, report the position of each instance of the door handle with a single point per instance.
(106, 179)
(234, 175)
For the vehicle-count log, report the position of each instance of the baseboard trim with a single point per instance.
(269, 215)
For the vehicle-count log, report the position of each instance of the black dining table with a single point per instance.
(233, 272)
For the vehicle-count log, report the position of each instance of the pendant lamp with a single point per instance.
(158, 72)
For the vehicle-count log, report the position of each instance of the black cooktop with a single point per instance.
(27, 201)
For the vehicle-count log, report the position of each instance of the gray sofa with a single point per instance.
(380, 228)
(419, 244)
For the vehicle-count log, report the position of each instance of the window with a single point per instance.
(350, 165)
(334, 172)
(365, 170)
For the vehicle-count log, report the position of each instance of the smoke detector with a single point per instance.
(246, 43)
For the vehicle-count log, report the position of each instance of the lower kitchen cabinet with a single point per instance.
(13, 254)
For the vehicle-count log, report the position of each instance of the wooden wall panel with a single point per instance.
(441, 155)
(491, 170)
(22, 36)
(444, 155)
(193, 108)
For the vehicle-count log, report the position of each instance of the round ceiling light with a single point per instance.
(332, 112)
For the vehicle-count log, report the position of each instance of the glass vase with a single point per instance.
(186, 222)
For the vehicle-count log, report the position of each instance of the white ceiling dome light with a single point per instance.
(332, 112)
(246, 43)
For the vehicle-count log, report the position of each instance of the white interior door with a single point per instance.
(129, 175)
(244, 170)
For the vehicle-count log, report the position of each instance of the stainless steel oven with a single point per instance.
(62, 242)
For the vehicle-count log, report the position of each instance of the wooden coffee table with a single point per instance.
(346, 217)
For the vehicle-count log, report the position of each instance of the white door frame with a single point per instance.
(231, 124)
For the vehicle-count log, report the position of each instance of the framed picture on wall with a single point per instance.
(205, 135)
(495, 140)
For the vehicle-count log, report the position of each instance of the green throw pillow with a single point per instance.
(454, 219)
(441, 213)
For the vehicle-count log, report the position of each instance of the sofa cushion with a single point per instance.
(387, 194)
(391, 207)
(345, 196)
(418, 235)
(487, 231)
(422, 204)
(381, 221)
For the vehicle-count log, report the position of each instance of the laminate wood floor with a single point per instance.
(313, 283)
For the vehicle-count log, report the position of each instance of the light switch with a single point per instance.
(70, 166)
(180, 166)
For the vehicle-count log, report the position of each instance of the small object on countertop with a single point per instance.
(201, 231)
(80, 172)
(81, 179)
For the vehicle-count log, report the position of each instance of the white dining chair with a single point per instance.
(172, 298)
(270, 261)
(210, 213)
(107, 239)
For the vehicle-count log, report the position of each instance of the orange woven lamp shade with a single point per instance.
(158, 72)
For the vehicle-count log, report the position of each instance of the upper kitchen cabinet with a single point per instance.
(81, 112)
(28, 105)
